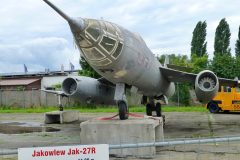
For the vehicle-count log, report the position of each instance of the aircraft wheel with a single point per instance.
(213, 107)
(122, 110)
(149, 109)
(158, 109)
(60, 108)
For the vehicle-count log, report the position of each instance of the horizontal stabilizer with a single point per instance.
(55, 92)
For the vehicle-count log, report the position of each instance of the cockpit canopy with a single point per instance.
(101, 42)
(93, 29)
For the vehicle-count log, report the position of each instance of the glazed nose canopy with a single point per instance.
(69, 86)
(93, 29)
(100, 42)
(91, 41)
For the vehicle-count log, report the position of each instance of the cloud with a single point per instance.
(32, 33)
(37, 54)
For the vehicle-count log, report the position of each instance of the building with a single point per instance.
(20, 84)
(33, 80)
(23, 89)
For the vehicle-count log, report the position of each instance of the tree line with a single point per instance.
(223, 64)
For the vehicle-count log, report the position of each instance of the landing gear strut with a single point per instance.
(60, 103)
(121, 100)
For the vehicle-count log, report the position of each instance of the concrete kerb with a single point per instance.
(61, 117)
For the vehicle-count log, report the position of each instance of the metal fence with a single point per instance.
(226, 148)
(26, 99)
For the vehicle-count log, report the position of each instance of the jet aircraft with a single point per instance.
(123, 60)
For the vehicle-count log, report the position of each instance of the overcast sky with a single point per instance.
(32, 33)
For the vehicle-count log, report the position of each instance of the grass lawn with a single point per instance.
(97, 109)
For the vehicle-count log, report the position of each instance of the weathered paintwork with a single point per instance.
(135, 65)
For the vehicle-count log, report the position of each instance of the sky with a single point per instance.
(31, 33)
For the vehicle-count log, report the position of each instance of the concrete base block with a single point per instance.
(126, 131)
(61, 116)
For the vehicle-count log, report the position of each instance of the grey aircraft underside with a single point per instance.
(123, 60)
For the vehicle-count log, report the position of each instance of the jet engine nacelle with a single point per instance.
(88, 90)
(206, 86)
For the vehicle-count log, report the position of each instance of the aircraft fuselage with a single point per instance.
(121, 56)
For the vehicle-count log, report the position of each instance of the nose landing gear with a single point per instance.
(122, 110)
(121, 100)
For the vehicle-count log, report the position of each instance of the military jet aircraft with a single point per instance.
(123, 60)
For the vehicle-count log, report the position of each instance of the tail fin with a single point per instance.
(175, 67)
(237, 80)
(166, 61)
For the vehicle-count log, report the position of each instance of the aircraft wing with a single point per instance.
(55, 92)
(108, 83)
(228, 82)
(173, 75)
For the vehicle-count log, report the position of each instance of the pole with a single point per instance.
(171, 143)
(1, 97)
(177, 94)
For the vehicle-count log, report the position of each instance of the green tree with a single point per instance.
(20, 88)
(181, 94)
(237, 67)
(180, 60)
(224, 66)
(57, 86)
(237, 45)
(222, 38)
(87, 70)
(182, 89)
(199, 63)
(199, 44)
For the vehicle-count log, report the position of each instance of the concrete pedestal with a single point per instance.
(126, 131)
(61, 116)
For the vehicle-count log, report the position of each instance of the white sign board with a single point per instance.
(79, 152)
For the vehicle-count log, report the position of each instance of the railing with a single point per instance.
(154, 144)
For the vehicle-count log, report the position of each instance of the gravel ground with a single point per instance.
(31, 131)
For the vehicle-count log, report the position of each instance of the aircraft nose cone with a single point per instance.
(76, 24)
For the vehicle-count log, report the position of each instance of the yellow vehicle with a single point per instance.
(227, 99)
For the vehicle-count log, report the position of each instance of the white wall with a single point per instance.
(50, 81)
